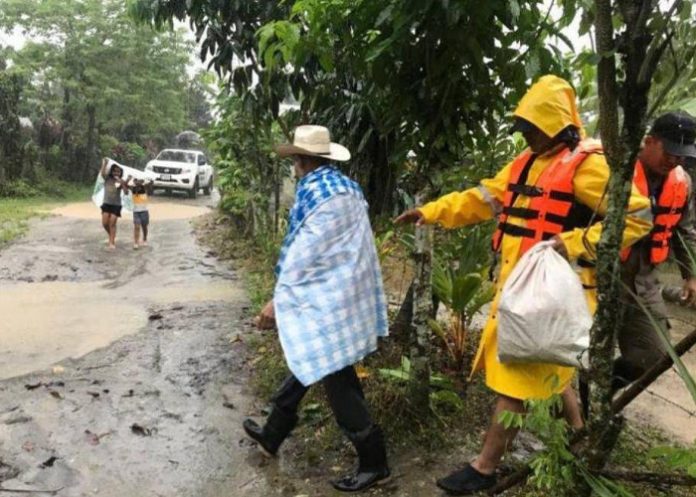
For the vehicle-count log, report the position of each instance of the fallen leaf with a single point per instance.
(55, 394)
(92, 438)
(48, 463)
(362, 372)
(141, 430)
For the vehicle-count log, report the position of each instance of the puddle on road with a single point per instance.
(159, 210)
(43, 323)
(197, 293)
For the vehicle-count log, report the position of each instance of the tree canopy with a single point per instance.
(91, 79)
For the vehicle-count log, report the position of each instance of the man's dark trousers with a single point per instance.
(345, 396)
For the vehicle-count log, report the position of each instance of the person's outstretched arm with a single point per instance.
(462, 208)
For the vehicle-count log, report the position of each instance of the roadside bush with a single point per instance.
(129, 154)
(19, 189)
(107, 144)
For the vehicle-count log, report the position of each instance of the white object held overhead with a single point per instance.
(126, 202)
(543, 312)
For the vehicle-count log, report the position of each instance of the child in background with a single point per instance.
(141, 216)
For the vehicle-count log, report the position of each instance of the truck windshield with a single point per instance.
(177, 156)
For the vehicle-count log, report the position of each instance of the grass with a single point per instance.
(16, 212)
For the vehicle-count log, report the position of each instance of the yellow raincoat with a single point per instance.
(550, 105)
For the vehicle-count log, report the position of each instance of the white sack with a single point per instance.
(543, 313)
(126, 201)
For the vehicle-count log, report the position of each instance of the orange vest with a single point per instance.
(667, 210)
(552, 196)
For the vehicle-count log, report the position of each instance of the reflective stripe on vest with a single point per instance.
(551, 197)
(667, 210)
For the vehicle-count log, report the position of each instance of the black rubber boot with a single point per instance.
(623, 374)
(277, 428)
(372, 462)
(466, 481)
(584, 387)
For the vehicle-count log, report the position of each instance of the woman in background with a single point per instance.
(111, 206)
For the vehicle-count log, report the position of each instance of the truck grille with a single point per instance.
(166, 170)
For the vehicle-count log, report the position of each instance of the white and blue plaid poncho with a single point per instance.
(329, 299)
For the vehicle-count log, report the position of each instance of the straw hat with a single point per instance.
(314, 141)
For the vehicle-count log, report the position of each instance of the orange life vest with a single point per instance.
(552, 197)
(667, 210)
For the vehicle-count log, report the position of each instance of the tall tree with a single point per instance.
(433, 79)
(90, 68)
(631, 38)
(10, 137)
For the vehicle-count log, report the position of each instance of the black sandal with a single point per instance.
(466, 481)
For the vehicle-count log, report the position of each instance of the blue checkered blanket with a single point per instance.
(329, 298)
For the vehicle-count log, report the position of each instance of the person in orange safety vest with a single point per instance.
(551, 191)
(660, 176)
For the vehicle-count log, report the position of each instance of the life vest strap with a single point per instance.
(663, 209)
(585, 263)
(526, 190)
(521, 231)
(525, 213)
(564, 196)
(521, 212)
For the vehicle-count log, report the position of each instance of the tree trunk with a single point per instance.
(621, 149)
(3, 176)
(92, 158)
(65, 140)
(277, 183)
(381, 182)
(422, 308)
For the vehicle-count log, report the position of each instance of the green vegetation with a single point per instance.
(420, 91)
(25, 202)
(91, 84)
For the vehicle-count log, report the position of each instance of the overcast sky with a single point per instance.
(16, 40)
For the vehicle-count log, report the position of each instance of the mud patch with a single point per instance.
(145, 416)
(7, 472)
(46, 322)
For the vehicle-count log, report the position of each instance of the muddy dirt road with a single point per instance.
(120, 372)
(123, 373)
(667, 404)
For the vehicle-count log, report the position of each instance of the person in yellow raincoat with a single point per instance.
(550, 191)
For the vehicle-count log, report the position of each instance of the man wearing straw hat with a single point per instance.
(328, 304)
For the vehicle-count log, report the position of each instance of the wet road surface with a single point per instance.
(122, 372)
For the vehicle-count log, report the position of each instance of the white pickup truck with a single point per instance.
(184, 170)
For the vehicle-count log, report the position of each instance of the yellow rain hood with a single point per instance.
(550, 105)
